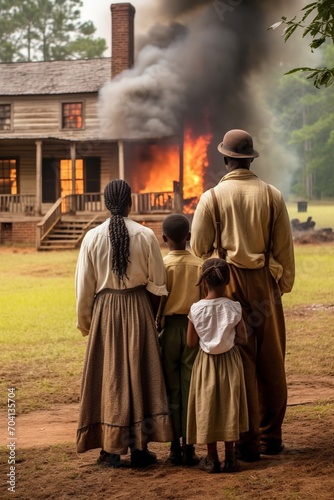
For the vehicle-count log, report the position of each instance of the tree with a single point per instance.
(320, 29)
(7, 26)
(308, 125)
(46, 30)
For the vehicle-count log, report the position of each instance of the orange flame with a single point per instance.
(162, 165)
(195, 161)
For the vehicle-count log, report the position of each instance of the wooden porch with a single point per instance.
(66, 222)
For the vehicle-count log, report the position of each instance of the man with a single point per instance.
(256, 240)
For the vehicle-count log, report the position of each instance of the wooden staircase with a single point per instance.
(68, 233)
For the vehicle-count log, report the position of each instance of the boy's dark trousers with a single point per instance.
(177, 360)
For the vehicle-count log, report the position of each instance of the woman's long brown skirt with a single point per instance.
(123, 396)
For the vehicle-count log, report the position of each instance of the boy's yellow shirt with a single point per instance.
(183, 271)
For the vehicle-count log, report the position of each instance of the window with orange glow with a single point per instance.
(66, 177)
(72, 115)
(8, 176)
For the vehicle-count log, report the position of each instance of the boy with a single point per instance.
(183, 272)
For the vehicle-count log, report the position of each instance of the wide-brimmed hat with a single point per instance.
(237, 144)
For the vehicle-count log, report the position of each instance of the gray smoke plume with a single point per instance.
(206, 67)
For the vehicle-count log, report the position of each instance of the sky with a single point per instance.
(99, 13)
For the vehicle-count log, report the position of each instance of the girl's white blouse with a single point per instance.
(215, 321)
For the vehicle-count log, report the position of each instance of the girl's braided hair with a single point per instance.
(117, 198)
(216, 272)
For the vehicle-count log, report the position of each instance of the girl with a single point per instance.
(217, 407)
(120, 278)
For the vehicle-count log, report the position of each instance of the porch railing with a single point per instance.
(18, 203)
(141, 202)
(144, 203)
(86, 202)
(49, 220)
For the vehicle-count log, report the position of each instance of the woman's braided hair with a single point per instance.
(216, 272)
(117, 198)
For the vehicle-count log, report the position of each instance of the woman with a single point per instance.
(120, 278)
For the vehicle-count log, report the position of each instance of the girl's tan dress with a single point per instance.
(217, 406)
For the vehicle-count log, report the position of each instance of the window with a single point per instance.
(5, 115)
(66, 177)
(66, 181)
(72, 115)
(8, 176)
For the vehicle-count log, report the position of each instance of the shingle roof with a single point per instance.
(54, 77)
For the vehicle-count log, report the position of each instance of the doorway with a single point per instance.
(57, 177)
(66, 177)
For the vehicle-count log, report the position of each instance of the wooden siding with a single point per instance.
(109, 164)
(40, 117)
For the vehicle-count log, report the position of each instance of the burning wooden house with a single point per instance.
(68, 127)
(55, 162)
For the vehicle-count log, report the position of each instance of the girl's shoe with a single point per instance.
(211, 467)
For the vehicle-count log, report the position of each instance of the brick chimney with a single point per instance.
(122, 37)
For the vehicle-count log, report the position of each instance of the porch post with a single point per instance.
(73, 160)
(181, 161)
(74, 201)
(178, 186)
(38, 207)
(121, 160)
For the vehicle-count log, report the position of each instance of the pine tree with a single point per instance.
(47, 30)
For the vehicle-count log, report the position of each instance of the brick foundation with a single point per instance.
(24, 232)
(18, 232)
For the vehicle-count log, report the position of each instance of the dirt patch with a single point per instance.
(58, 425)
(313, 237)
(47, 465)
(17, 249)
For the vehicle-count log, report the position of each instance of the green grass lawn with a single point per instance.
(314, 282)
(41, 349)
(42, 352)
(314, 263)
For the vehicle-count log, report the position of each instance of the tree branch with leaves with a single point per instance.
(317, 21)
